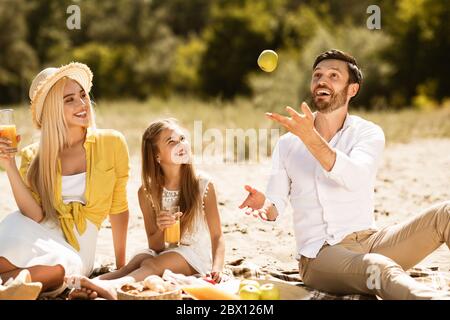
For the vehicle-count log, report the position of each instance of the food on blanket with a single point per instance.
(269, 292)
(249, 292)
(156, 283)
(253, 290)
(208, 292)
(248, 282)
(131, 287)
(151, 286)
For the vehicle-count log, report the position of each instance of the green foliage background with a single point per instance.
(208, 49)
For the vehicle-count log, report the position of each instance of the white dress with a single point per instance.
(26, 243)
(195, 246)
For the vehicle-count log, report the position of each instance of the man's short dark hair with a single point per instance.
(355, 74)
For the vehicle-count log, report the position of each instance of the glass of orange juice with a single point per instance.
(172, 234)
(7, 126)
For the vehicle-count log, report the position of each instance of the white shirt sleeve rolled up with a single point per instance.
(278, 188)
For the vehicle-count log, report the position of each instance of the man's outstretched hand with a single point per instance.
(256, 204)
(302, 125)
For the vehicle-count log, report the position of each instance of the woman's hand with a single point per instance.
(215, 276)
(164, 220)
(7, 153)
(258, 205)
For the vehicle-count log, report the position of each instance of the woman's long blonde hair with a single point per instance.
(153, 176)
(43, 170)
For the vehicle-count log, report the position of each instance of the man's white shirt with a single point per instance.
(327, 206)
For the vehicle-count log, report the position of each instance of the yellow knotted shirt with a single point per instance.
(107, 172)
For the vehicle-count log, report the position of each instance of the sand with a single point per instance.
(412, 177)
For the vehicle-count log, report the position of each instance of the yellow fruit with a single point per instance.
(269, 292)
(268, 60)
(248, 282)
(249, 292)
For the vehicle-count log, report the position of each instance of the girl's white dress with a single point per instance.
(26, 243)
(196, 245)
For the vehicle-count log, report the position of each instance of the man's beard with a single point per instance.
(337, 101)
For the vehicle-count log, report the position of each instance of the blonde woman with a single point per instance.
(66, 186)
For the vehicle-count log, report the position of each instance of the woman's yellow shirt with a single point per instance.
(107, 171)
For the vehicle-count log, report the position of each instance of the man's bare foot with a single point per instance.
(82, 294)
(102, 288)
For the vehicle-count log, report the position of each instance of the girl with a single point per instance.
(67, 184)
(169, 178)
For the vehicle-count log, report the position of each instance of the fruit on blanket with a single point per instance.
(246, 282)
(268, 60)
(249, 292)
(269, 292)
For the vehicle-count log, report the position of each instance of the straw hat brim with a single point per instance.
(74, 70)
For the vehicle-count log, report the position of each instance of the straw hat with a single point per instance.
(45, 80)
(20, 288)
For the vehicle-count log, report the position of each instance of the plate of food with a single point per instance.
(152, 288)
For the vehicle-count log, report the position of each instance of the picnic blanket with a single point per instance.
(242, 269)
(245, 269)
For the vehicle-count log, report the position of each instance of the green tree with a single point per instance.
(299, 25)
(185, 70)
(238, 32)
(421, 33)
(185, 17)
(110, 66)
(129, 47)
(18, 61)
(47, 31)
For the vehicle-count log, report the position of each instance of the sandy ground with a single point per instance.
(412, 177)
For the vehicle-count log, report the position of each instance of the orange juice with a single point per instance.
(172, 234)
(209, 293)
(9, 131)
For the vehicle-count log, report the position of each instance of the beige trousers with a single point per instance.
(374, 262)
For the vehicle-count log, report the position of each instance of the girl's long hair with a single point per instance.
(153, 176)
(42, 173)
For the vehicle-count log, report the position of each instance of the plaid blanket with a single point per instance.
(243, 269)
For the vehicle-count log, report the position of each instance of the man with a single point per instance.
(326, 165)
